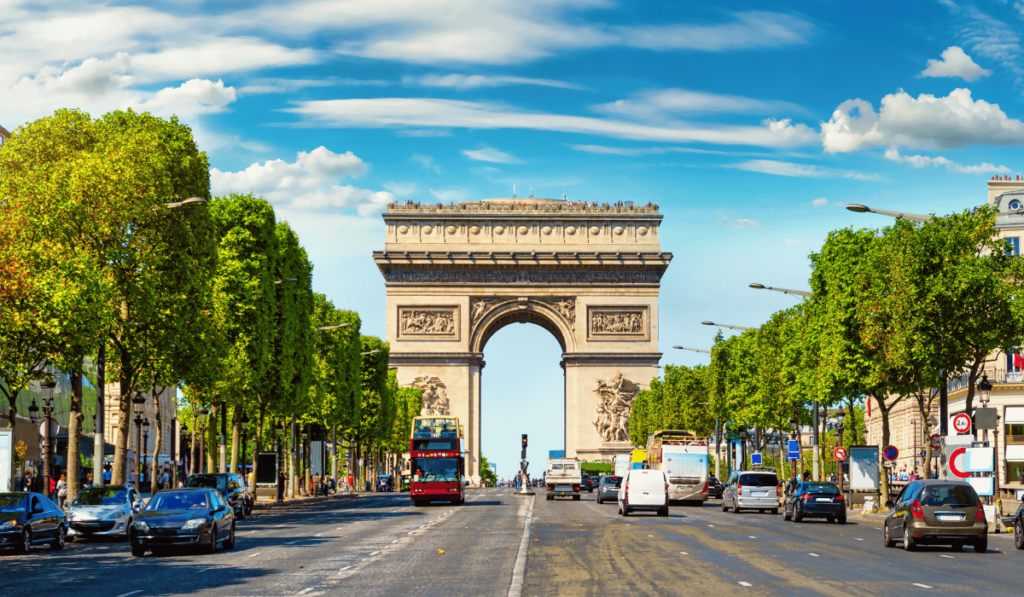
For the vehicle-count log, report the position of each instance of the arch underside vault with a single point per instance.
(601, 306)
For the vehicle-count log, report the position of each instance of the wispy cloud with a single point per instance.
(820, 201)
(665, 104)
(730, 222)
(921, 161)
(427, 162)
(463, 82)
(798, 170)
(489, 154)
(449, 194)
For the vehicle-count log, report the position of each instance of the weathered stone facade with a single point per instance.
(588, 274)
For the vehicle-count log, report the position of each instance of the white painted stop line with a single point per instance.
(917, 584)
(753, 537)
(130, 593)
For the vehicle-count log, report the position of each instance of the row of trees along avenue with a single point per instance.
(894, 313)
(112, 250)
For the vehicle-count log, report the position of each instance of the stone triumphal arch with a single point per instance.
(589, 274)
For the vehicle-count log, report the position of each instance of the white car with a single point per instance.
(103, 510)
(644, 490)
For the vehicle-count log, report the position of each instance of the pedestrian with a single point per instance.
(62, 490)
(166, 480)
(107, 475)
(52, 489)
(349, 483)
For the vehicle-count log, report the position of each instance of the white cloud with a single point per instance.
(282, 85)
(463, 82)
(955, 63)
(990, 38)
(819, 202)
(754, 29)
(310, 183)
(927, 122)
(431, 112)
(664, 103)
(640, 151)
(401, 189)
(728, 222)
(489, 154)
(798, 170)
(920, 161)
(449, 194)
(195, 96)
(427, 162)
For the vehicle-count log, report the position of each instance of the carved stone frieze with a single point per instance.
(395, 275)
(615, 402)
(478, 307)
(433, 323)
(565, 306)
(619, 323)
(435, 399)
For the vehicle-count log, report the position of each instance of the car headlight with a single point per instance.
(195, 523)
(119, 513)
(8, 524)
(141, 526)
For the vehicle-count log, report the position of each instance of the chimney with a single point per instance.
(1002, 184)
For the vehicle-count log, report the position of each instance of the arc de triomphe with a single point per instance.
(456, 274)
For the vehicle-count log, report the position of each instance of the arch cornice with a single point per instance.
(522, 310)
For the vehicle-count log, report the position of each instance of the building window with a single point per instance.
(1013, 245)
(1014, 433)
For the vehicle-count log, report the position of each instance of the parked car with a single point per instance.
(28, 519)
(102, 511)
(815, 500)
(608, 488)
(230, 485)
(714, 487)
(1016, 522)
(752, 490)
(936, 512)
(184, 517)
(644, 489)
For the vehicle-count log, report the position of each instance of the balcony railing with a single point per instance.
(994, 376)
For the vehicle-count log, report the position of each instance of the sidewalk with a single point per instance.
(269, 504)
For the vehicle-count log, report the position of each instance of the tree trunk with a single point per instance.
(883, 410)
(119, 474)
(257, 448)
(237, 450)
(75, 418)
(193, 460)
(157, 438)
(307, 457)
(212, 446)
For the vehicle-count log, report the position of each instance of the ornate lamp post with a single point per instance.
(33, 412)
(145, 444)
(138, 401)
(839, 435)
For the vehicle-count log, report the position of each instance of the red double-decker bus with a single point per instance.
(437, 463)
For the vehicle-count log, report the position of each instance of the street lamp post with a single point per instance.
(244, 445)
(49, 385)
(782, 290)
(722, 325)
(984, 395)
(861, 208)
(204, 415)
(793, 425)
(839, 433)
(145, 447)
(693, 349)
(138, 401)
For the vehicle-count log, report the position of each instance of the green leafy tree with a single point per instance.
(377, 410)
(486, 474)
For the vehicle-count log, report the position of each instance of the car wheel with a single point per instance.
(241, 514)
(786, 515)
(775, 510)
(830, 519)
(981, 546)
(664, 512)
(908, 541)
(797, 517)
(138, 551)
(598, 499)
(213, 541)
(575, 498)
(841, 520)
(26, 541)
(230, 543)
(550, 498)
(723, 506)
(1018, 535)
(886, 538)
(625, 510)
(58, 542)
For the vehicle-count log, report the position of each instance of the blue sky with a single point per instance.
(750, 124)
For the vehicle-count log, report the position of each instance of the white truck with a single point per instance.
(563, 478)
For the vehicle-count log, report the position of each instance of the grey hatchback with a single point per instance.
(608, 489)
(932, 511)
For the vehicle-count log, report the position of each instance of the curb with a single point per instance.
(270, 505)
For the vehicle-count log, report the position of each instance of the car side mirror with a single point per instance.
(219, 509)
(888, 504)
(38, 510)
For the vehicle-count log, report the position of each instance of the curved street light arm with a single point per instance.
(860, 208)
(693, 349)
(782, 290)
(731, 327)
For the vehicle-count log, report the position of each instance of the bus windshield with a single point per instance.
(430, 470)
(435, 427)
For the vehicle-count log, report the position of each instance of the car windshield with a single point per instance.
(207, 481)
(759, 479)
(824, 488)
(12, 503)
(948, 495)
(435, 470)
(101, 496)
(179, 500)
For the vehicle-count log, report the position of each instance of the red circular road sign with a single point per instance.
(962, 423)
(936, 441)
(840, 453)
(960, 453)
(891, 453)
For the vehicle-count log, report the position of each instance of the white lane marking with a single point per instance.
(942, 555)
(857, 539)
(130, 593)
(745, 584)
(917, 584)
(304, 591)
(291, 543)
(813, 554)
(711, 525)
(346, 568)
(684, 553)
(650, 535)
(320, 535)
(374, 553)
(515, 588)
(395, 541)
(205, 569)
(280, 525)
(339, 528)
(752, 537)
(254, 555)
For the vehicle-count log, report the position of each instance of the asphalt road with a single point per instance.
(380, 544)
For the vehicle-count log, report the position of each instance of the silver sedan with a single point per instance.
(608, 489)
(102, 511)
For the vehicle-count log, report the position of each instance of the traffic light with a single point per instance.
(524, 440)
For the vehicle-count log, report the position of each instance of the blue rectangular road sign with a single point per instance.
(755, 459)
(794, 449)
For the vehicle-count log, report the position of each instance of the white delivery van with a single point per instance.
(644, 489)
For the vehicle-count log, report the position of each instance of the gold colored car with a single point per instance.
(937, 512)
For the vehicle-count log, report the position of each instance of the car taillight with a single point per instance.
(739, 490)
(840, 499)
(778, 491)
(917, 512)
(666, 488)
(981, 513)
(627, 487)
(805, 497)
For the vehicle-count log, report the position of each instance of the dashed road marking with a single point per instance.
(291, 543)
(711, 525)
(813, 554)
(374, 553)
(917, 584)
(857, 539)
(254, 554)
(942, 555)
(320, 535)
(752, 537)
(745, 584)
(684, 553)
(346, 568)
(304, 591)
(129, 593)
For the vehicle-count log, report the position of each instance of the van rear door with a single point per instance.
(646, 488)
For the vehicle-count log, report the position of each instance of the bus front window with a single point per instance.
(431, 470)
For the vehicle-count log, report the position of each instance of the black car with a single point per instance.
(815, 500)
(182, 518)
(714, 487)
(587, 483)
(230, 485)
(28, 519)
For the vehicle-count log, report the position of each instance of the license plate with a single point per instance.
(829, 500)
(759, 493)
(950, 518)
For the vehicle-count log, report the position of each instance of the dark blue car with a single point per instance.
(28, 519)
